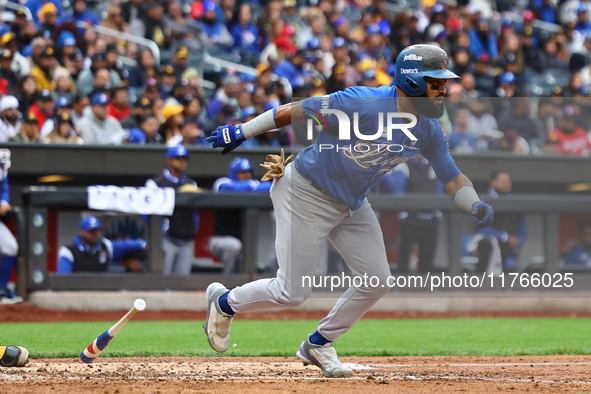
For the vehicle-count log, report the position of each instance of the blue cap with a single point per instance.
(340, 21)
(248, 111)
(209, 5)
(66, 38)
(136, 136)
(339, 42)
(313, 43)
(438, 8)
(99, 98)
(582, 7)
(508, 77)
(61, 102)
(384, 26)
(370, 73)
(90, 223)
(374, 28)
(177, 151)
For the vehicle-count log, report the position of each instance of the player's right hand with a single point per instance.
(228, 137)
(482, 214)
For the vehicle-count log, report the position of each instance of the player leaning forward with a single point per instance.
(322, 194)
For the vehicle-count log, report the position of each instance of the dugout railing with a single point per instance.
(38, 201)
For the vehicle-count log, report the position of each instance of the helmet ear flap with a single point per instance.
(415, 88)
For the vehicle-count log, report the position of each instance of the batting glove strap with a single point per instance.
(482, 214)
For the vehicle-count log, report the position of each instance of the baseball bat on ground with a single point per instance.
(97, 346)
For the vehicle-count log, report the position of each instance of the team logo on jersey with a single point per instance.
(368, 155)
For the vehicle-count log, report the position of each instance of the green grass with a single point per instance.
(452, 337)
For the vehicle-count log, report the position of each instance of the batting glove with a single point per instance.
(228, 137)
(482, 214)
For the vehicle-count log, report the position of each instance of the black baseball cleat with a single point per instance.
(13, 356)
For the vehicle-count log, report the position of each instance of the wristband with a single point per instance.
(259, 125)
(466, 197)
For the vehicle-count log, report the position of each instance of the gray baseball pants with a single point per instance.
(178, 258)
(305, 217)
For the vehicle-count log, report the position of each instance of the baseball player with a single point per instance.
(181, 227)
(8, 244)
(322, 194)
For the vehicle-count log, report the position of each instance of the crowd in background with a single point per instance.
(64, 82)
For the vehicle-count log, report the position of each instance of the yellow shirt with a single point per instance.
(43, 80)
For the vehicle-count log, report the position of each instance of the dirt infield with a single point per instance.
(286, 374)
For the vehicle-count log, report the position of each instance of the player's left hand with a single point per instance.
(482, 214)
(228, 137)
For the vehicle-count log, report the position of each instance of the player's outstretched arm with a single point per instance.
(231, 137)
(464, 195)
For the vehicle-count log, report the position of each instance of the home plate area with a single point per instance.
(286, 374)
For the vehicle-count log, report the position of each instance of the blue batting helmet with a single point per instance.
(240, 164)
(415, 63)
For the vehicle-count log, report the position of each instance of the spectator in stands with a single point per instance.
(336, 82)
(36, 5)
(10, 123)
(167, 81)
(42, 108)
(119, 105)
(547, 115)
(141, 109)
(226, 243)
(147, 133)
(8, 243)
(8, 79)
(132, 11)
(499, 245)
(180, 62)
(74, 63)
(97, 126)
(80, 13)
(173, 121)
(48, 16)
(216, 33)
(61, 106)
(418, 229)
(580, 254)
(97, 75)
(460, 140)
(91, 252)
(20, 64)
(226, 95)
(518, 117)
(511, 142)
(63, 131)
(480, 122)
(64, 85)
(246, 35)
(483, 76)
(79, 103)
(115, 64)
(152, 26)
(583, 25)
(293, 69)
(180, 229)
(191, 133)
(573, 139)
(550, 56)
(29, 131)
(144, 70)
(482, 40)
(43, 70)
(25, 92)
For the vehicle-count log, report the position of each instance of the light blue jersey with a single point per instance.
(349, 170)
